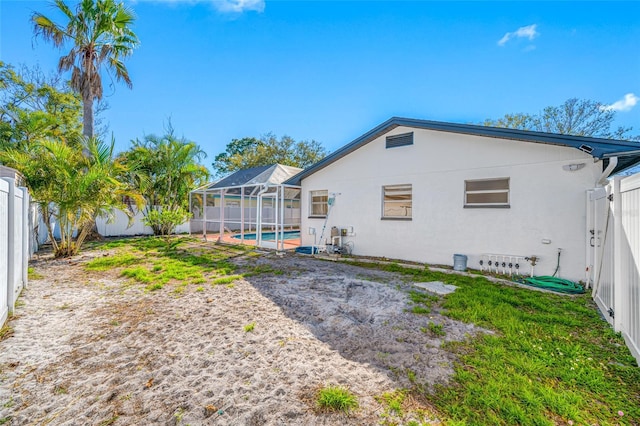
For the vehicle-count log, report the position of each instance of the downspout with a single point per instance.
(602, 180)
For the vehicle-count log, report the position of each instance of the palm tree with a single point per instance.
(100, 34)
(71, 189)
(165, 169)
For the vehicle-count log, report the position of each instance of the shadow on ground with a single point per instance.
(365, 315)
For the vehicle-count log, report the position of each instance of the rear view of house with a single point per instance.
(423, 191)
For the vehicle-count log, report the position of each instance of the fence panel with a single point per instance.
(629, 247)
(119, 227)
(14, 244)
(4, 250)
(616, 273)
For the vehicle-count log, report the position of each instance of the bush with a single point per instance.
(164, 222)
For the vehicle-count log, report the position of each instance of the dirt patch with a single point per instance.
(91, 348)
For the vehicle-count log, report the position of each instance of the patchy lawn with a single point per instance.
(150, 331)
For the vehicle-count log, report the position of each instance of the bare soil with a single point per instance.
(95, 349)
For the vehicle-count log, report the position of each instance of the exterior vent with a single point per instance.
(586, 148)
(400, 140)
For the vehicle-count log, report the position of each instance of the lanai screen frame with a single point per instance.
(282, 196)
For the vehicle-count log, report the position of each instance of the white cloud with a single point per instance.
(625, 104)
(224, 6)
(239, 6)
(523, 32)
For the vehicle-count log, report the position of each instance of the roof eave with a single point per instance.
(569, 141)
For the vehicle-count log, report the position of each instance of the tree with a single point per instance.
(580, 117)
(34, 107)
(70, 188)
(165, 169)
(101, 36)
(251, 152)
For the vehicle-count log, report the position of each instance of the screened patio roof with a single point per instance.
(274, 174)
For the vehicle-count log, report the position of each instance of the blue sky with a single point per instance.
(332, 70)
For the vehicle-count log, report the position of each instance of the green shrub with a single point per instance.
(164, 222)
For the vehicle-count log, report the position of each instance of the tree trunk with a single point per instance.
(87, 120)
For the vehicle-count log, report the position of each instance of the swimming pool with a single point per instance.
(270, 236)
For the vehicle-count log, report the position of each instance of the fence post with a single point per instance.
(11, 237)
(26, 233)
(618, 254)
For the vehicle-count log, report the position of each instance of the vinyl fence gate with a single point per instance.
(613, 255)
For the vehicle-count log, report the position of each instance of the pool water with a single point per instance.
(270, 236)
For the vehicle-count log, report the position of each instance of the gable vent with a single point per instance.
(400, 140)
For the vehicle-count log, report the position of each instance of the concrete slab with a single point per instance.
(437, 287)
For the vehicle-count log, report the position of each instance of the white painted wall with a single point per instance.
(546, 201)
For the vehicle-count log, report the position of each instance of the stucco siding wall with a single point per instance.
(546, 201)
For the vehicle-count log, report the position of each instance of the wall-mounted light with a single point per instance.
(573, 167)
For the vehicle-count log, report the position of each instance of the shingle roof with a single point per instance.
(628, 153)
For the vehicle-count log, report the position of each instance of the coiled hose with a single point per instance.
(552, 282)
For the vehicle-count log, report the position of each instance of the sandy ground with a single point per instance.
(95, 349)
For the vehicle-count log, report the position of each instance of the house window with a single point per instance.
(399, 140)
(486, 193)
(396, 202)
(319, 203)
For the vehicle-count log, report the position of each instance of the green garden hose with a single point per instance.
(553, 283)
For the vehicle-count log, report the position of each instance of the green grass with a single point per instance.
(5, 332)
(154, 287)
(226, 280)
(393, 402)
(422, 302)
(249, 327)
(551, 359)
(180, 261)
(263, 269)
(336, 398)
(32, 274)
(113, 261)
(436, 330)
(420, 310)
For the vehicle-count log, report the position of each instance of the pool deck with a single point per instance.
(289, 244)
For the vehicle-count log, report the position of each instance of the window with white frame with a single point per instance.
(486, 192)
(396, 201)
(318, 203)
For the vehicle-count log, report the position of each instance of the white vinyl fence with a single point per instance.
(15, 244)
(613, 219)
(118, 227)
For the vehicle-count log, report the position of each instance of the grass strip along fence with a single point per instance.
(551, 359)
